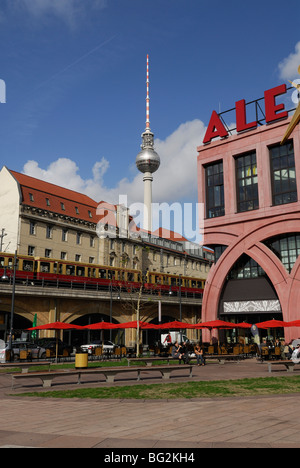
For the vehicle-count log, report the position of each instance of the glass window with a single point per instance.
(32, 228)
(286, 248)
(246, 180)
(214, 190)
(283, 174)
(246, 268)
(49, 232)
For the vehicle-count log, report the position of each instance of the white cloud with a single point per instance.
(175, 180)
(288, 67)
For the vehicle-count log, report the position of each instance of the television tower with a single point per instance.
(147, 161)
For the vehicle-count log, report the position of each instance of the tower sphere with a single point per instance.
(147, 160)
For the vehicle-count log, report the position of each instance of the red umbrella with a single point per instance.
(272, 324)
(174, 325)
(219, 324)
(242, 325)
(293, 323)
(100, 326)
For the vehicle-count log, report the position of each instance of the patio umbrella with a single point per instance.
(100, 326)
(294, 323)
(243, 325)
(216, 324)
(176, 325)
(57, 326)
(272, 324)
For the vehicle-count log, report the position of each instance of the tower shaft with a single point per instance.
(147, 161)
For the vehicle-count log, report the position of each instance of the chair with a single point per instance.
(264, 353)
(237, 349)
(24, 354)
(222, 350)
(211, 350)
(98, 351)
(117, 352)
(50, 353)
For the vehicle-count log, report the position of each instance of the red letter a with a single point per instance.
(215, 128)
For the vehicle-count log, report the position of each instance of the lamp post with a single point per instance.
(110, 309)
(4, 277)
(180, 308)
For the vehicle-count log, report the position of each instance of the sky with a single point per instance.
(75, 78)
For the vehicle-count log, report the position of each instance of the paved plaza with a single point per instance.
(269, 421)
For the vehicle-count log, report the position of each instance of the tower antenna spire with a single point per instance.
(148, 98)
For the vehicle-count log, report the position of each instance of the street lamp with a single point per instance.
(180, 311)
(5, 278)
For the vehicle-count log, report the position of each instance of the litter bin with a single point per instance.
(81, 360)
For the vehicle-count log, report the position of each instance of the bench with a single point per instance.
(222, 358)
(24, 365)
(289, 365)
(149, 360)
(108, 372)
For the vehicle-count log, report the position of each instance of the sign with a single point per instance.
(296, 117)
(273, 111)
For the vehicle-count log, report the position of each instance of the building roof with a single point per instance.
(171, 235)
(51, 197)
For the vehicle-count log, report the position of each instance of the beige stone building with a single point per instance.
(44, 220)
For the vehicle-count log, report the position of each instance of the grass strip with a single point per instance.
(217, 388)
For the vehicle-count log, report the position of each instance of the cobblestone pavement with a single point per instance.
(269, 421)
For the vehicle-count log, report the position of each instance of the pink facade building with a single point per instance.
(249, 184)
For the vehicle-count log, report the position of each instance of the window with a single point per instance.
(48, 253)
(112, 244)
(78, 238)
(64, 235)
(76, 210)
(246, 268)
(63, 255)
(92, 241)
(47, 202)
(214, 190)
(32, 228)
(286, 247)
(77, 258)
(62, 205)
(49, 230)
(90, 214)
(91, 259)
(31, 197)
(31, 250)
(283, 174)
(246, 181)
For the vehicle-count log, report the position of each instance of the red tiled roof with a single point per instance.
(41, 191)
(171, 235)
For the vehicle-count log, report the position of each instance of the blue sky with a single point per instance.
(75, 73)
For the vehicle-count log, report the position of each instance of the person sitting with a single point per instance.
(176, 351)
(185, 353)
(199, 355)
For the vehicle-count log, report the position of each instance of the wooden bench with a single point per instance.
(289, 365)
(222, 358)
(149, 360)
(108, 372)
(25, 366)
